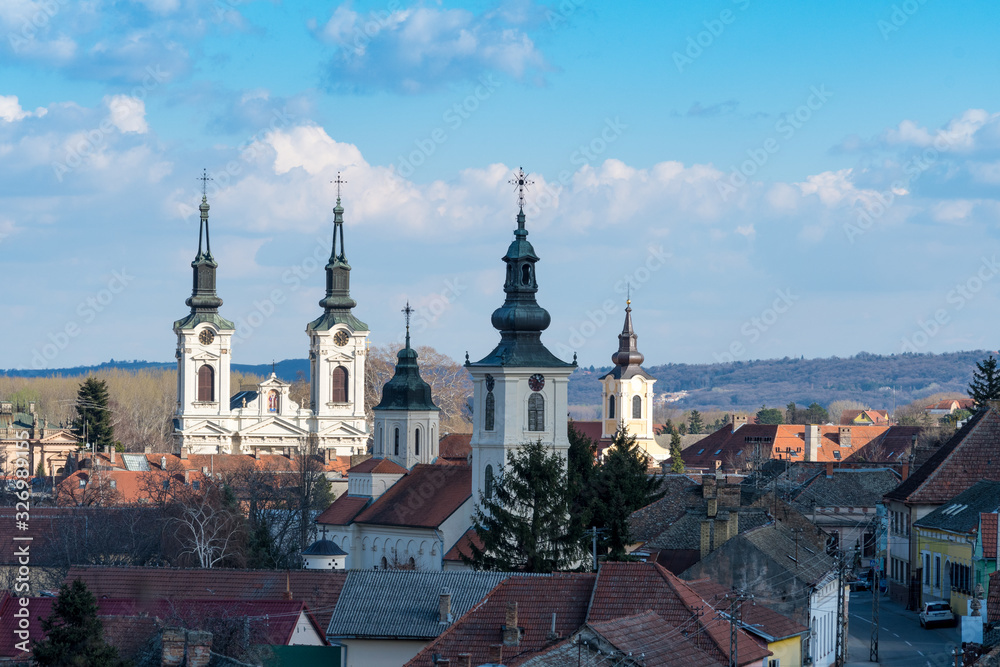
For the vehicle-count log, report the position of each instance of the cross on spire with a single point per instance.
(204, 178)
(407, 312)
(520, 182)
(338, 183)
(628, 298)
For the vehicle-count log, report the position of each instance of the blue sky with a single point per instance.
(773, 179)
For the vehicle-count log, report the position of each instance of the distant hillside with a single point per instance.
(746, 385)
(742, 385)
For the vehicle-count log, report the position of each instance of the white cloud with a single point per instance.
(128, 114)
(11, 111)
(959, 135)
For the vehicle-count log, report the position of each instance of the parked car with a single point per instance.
(860, 585)
(936, 613)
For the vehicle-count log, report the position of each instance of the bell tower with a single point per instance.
(337, 346)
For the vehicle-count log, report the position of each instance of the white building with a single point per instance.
(211, 419)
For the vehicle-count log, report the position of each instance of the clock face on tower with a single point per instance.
(536, 382)
(340, 338)
(206, 337)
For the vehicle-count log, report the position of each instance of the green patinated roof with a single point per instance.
(328, 320)
(194, 319)
(406, 390)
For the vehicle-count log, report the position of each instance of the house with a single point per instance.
(847, 504)
(784, 572)
(950, 406)
(384, 618)
(953, 542)
(967, 457)
(533, 620)
(23, 431)
(864, 417)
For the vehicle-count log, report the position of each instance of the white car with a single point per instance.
(936, 612)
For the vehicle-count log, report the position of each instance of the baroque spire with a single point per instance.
(203, 297)
(628, 351)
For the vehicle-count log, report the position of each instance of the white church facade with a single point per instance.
(211, 418)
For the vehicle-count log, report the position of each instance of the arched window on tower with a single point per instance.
(488, 486)
(339, 393)
(416, 442)
(381, 442)
(536, 412)
(273, 401)
(206, 384)
(525, 274)
(395, 449)
(637, 407)
(611, 407)
(489, 417)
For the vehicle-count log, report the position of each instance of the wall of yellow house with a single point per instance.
(787, 651)
(951, 548)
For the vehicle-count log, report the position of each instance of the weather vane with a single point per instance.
(204, 178)
(339, 182)
(520, 181)
(407, 311)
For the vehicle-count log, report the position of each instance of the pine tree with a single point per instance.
(93, 418)
(985, 385)
(676, 462)
(695, 424)
(623, 486)
(580, 474)
(525, 525)
(73, 632)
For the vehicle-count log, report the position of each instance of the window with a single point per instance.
(536, 412)
(488, 490)
(273, 401)
(381, 442)
(196, 485)
(525, 274)
(395, 449)
(339, 394)
(166, 484)
(836, 455)
(637, 407)
(937, 571)
(491, 408)
(206, 384)
(416, 442)
(611, 407)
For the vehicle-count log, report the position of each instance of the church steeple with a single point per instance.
(520, 320)
(628, 351)
(406, 390)
(337, 303)
(203, 297)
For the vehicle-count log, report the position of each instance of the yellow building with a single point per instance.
(950, 546)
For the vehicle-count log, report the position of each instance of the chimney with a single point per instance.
(718, 471)
(729, 495)
(464, 660)
(713, 507)
(496, 654)
(187, 477)
(291, 454)
(113, 455)
(905, 472)
(199, 648)
(708, 486)
(184, 452)
(148, 449)
(444, 606)
(442, 662)
(326, 455)
(845, 436)
(734, 523)
(721, 531)
(511, 633)
(812, 442)
(256, 452)
(553, 635)
(829, 469)
(163, 463)
(172, 640)
(706, 537)
(738, 421)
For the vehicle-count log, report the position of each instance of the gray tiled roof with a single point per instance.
(847, 488)
(796, 557)
(404, 604)
(685, 532)
(961, 513)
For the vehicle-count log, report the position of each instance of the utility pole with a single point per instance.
(840, 651)
(876, 583)
(593, 531)
(735, 619)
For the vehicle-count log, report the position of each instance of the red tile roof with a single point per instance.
(462, 546)
(658, 642)
(119, 487)
(627, 589)
(222, 463)
(989, 535)
(343, 510)
(455, 448)
(754, 616)
(993, 598)
(592, 430)
(319, 589)
(537, 599)
(424, 498)
(378, 466)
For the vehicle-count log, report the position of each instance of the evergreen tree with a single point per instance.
(985, 385)
(74, 634)
(40, 471)
(816, 414)
(676, 462)
(525, 525)
(695, 425)
(669, 426)
(580, 474)
(93, 419)
(791, 413)
(769, 416)
(623, 486)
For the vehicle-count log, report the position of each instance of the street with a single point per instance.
(902, 642)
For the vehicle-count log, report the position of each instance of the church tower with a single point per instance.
(520, 388)
(406, 420)
(337, 345)
(627, 392)
(203, 357)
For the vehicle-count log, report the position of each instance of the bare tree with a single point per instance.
(207, 527)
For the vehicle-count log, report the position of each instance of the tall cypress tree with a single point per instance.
(93, 419)
(580, 475)
(985, 385)
(623, 486)
(73, 632)
(525, 525)
(676, 462)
